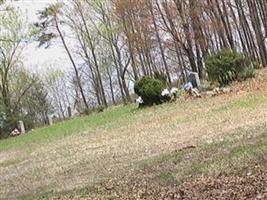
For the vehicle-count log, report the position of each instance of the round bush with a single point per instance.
(150, 90)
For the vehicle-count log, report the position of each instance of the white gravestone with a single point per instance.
(50, 120)
(21, 127)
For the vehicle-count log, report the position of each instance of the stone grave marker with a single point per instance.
(194, 79)
(21, 127)
(69, 112)
(50, 120)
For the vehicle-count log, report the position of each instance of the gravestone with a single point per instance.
(21, 127)
(50, 120)
(194, 79)
(69, 112)
(188, 87)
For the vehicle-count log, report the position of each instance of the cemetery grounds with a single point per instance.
(169, 151)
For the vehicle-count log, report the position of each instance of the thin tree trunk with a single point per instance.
(73, 64)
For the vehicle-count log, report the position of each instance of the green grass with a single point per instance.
(112, 117)
(250, 102)
(137, 146)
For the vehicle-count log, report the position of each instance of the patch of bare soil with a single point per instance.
(224, 187)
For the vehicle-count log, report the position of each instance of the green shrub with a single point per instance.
(150, 90)
(226, 66)
(205, 85)
(11, 123)
(248, 72)
(87, 111)
(29, 122)
(257, 64)
(100, 109)
(161, 76)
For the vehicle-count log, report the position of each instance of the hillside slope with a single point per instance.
(99, 156)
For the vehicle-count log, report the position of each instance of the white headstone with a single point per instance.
(21, 127)
(50, 120)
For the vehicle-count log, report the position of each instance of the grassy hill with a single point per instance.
(130, 153)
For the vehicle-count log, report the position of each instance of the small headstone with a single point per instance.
(194, 79)
(50, 120)
(21, 127)
(69, 112)
(188, 87)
